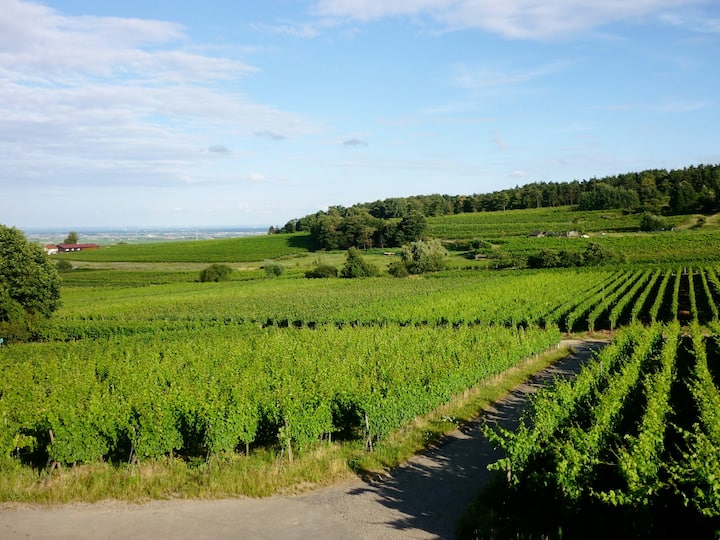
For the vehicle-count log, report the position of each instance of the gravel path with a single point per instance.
(421, 500)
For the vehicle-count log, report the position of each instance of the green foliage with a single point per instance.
(63, 265)
(594, 255)
(341, 228)
(398, 269)
(356, 266)
(651, 222)
(273, 269)
(215, 272)
(635, 436)
(322, 270)
(201, 393)
(597, 254)
(411, 228)
(72, 238)
(424, 256)
(29, 286)
(606, 197)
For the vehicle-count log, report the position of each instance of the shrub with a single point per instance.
(63, 266)
(322, 271)
(356, 266)
(424, 256)
(215, 272)
(651, 222)
(398, 269)
(594, 255)
(273, 269)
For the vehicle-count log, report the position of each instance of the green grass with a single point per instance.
(245, 249)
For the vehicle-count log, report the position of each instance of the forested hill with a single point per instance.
(654, 191)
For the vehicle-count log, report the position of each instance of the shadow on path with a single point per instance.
(426, 497)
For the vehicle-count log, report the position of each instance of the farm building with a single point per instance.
(65, 248)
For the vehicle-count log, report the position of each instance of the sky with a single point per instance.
(242, 113)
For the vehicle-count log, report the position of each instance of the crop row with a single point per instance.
(631, 447)
(477, 298)
(682, 294)
(202, 393)
(573, 300)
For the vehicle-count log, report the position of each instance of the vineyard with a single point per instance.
(244, 249)
(209, 392)
(573, 300)
(290, 362)
(143, 363)
(630, 448)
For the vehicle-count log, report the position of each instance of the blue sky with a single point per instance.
(218, 113)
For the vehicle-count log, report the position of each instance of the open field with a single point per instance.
(145, 367)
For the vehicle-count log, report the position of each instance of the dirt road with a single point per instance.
(421, 500)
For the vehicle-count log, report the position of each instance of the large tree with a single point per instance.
(29, 286)
(72, 238)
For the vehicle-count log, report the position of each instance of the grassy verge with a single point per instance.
(264, 472)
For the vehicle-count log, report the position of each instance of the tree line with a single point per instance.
(396, 221)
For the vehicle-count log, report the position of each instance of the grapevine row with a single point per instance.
(631, 452)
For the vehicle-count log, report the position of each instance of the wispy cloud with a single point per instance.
(471, 77)
(693, 22)
(670, 107)
(307, 30)
(219, 149)
(500, 142)
(516, 19)
(255, 178)
(354, 142)
(270, 135)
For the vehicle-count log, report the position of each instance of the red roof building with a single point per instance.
(65, 248)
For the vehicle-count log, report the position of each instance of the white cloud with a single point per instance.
(255, 178)
(694, 22)
(499, 141)
(116, 101)
(517, 19)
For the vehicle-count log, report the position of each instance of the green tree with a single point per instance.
(424, 256)
(72, 238)
(411, 228)
(356, 266)
(683, 198)
(29, 286)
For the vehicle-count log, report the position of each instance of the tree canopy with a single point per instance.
(29, 286)
(72, 238)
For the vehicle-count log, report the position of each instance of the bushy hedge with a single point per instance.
(216, 272)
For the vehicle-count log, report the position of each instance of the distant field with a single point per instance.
(488, 225)
(246, 249)
(655, 248)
